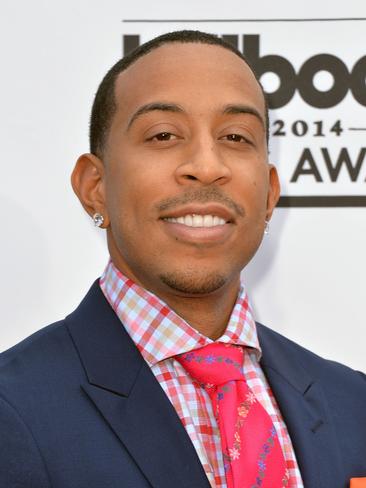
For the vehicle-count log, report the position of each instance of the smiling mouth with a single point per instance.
(195, 220)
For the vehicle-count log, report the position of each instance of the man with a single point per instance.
(178, 176)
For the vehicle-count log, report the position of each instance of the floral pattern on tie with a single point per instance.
(252, 455)
(266, 449)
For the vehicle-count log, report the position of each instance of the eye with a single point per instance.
(163, 136)
(236, 138)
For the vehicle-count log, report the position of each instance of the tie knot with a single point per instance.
(214, 364)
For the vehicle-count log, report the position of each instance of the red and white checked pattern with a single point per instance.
(160, 334)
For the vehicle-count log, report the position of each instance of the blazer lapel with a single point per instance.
(305, 411)
(130, 399)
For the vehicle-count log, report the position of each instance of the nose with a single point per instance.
(203, 162)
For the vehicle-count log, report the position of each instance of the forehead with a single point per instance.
(196, 76)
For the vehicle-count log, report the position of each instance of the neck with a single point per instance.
(210, 314)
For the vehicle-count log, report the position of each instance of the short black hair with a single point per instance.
(104, 105)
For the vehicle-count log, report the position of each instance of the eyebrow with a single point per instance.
(232, 109)
(244, 109)
(150, 107)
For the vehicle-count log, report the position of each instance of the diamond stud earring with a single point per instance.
(98, 219)
(266, 228)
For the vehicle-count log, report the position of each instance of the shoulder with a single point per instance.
(49, 353)
(43, 361)
(330, 373)
(35, 349)
(21, 461)
(30, 375)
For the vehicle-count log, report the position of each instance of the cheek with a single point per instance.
(129, 195)
(251, 188)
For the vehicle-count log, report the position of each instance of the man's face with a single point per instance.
(187, 182)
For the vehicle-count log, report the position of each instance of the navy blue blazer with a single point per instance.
(80, 408)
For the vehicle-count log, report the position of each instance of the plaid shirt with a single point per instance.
(160, 334)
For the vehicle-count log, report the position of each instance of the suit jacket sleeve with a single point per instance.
(21, 465)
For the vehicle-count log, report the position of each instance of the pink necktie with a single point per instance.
(252, 454)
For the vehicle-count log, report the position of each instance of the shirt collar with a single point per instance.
(158, 332)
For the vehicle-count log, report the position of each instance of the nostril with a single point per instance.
(190, 177)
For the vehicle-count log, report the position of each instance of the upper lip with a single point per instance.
(203, 209)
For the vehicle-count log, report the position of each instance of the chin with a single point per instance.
(193, 282)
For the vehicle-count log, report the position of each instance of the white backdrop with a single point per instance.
(308, 279)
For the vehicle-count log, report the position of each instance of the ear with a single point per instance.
(87, 181)
(274, 190)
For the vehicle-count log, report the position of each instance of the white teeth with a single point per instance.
(208, 221)
(198, 220)
(188, 220)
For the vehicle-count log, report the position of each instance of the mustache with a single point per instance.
(201, 195)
